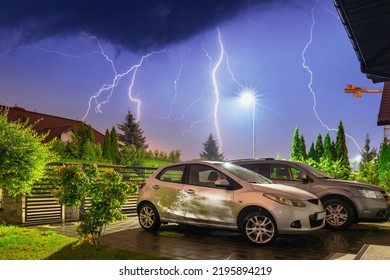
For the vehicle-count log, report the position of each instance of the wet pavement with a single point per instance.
(187, 242)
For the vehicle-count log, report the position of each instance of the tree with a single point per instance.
(303, 148)
(319, 148)
(114, 147)
(107, 146)
(328, 147)
(23, 156)
(384, 165)
(174, 156)
(312, 152)
(131, 134)
(107, 191)
(211, 150)
(296, 147)
(368, 166)
(342, 150)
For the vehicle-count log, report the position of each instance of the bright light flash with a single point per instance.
(247, 97)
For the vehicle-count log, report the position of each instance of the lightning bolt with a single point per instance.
(216, 89)
(175, 89)
(184, 132)
(117, 77)
(309, 85)
(213, 72)
(135, 68)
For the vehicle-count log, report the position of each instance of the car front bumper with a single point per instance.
(297, 220)
(372, 210)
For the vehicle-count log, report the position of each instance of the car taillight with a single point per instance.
(142, 185)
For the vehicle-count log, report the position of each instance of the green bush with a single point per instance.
(23, 156)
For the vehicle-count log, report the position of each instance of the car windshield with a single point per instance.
(244, 174)
(317, 173)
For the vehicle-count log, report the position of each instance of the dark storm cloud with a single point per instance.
(132, 24)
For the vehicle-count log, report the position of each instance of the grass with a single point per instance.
(18, 243)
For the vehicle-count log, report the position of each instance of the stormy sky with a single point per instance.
(181, 66)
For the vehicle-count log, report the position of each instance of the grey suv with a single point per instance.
(224, 195)
(346, 202)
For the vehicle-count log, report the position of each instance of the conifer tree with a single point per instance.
(211, 150)
(368, 166)
(296, 147)
(312, 152)
(303, 148)
(328, 147)
(114, 147)
(107, 146)
(319, 148)
(342, 151)
(131, 134)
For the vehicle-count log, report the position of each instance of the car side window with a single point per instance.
(172, 174)
(284, 172)
(203, 175)
(260, 168)
(280, 172)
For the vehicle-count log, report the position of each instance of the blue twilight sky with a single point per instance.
(188, 88)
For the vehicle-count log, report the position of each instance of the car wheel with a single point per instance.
(339, 214)
(259, 228)
(148, 217)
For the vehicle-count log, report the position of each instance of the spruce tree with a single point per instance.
(319, 148)
(312, 152)
(342, 151)
(368, 163)
(296, 147)
(303, 148)
(131, 134)
(328, 147)
(211, 150)
(107, 146)
(114, 147)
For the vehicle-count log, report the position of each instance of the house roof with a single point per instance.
(368, 27)
(43, 123)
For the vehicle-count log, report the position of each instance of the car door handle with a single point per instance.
(156, 187)
(190, 191)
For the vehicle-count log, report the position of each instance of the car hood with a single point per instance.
(284, 190)
(349, 184)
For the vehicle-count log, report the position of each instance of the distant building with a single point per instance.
(56, 127)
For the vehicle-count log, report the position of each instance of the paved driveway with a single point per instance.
(185, 242)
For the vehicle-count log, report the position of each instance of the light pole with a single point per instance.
(249, 98)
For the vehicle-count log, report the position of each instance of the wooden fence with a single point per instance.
(41, 207)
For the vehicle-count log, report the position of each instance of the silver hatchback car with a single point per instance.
(224, 195)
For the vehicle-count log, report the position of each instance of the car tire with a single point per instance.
(259, 228)
(148, 217)
(339, 214)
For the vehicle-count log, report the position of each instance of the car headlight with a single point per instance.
(285, 200)
(370, 193)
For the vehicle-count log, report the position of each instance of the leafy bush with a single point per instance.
(23, 156)
(107, 191)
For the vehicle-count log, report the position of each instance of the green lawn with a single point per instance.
(18, 243)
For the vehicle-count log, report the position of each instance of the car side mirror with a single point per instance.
(302, 176)
(222, 183)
